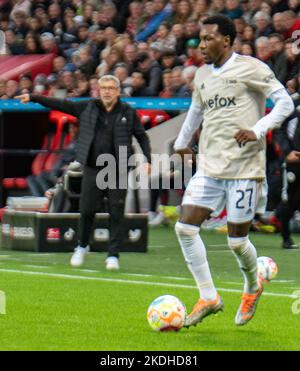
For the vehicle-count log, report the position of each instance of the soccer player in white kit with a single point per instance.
(229, 98)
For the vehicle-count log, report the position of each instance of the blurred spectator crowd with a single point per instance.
(151, 46)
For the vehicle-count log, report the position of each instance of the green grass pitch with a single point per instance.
(52, 306)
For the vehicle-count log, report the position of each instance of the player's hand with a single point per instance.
(187, 155)
(293, 157)
(24, 98)
(147, 168)
(49, 194)
(245, 136)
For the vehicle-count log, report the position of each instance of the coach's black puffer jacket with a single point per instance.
(127, 124)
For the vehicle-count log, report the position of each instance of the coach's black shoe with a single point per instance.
(289, 244)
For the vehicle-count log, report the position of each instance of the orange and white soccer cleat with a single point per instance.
(248, 306)
(203, 309)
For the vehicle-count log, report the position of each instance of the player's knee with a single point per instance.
(186, 230)
(237, 243)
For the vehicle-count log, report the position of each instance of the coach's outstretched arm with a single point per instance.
(64, 105)
(283, 108)
(190, 125)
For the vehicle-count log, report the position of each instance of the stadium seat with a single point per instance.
(151, 118)
(57, 138)
(62, 138)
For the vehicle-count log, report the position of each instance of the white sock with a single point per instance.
(195, 256)
(246, 256)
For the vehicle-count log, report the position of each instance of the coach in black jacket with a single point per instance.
(288, 138)
(105, 125)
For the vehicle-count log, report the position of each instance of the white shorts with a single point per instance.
(243, 198)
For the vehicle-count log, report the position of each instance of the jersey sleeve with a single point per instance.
(283, 108)
(196, 97)
(193, 118)
(262, 79)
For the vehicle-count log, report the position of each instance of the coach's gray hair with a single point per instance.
(262, 15)
(263, 40)
(188, 70)
(110, 78)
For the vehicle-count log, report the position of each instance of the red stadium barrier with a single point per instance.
(11, 67)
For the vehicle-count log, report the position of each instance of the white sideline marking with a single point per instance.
(138, 274)
(88, 270)
(36, 266)
(283, 281)
(118, 280)
(177, 278)
(126, 274)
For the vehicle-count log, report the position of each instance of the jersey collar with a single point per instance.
(225, 65)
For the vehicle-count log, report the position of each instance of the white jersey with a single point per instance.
(232, 98)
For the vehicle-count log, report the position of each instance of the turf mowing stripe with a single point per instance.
(218, 251)
(162, 284)
(42, 254)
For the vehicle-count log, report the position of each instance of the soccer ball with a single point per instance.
(266, 268)
(166, 313)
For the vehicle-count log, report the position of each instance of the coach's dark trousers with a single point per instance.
(92, 201)
(285, 210)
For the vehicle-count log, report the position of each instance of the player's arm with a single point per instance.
(283, 108)
(262, 79)
(190, 125)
